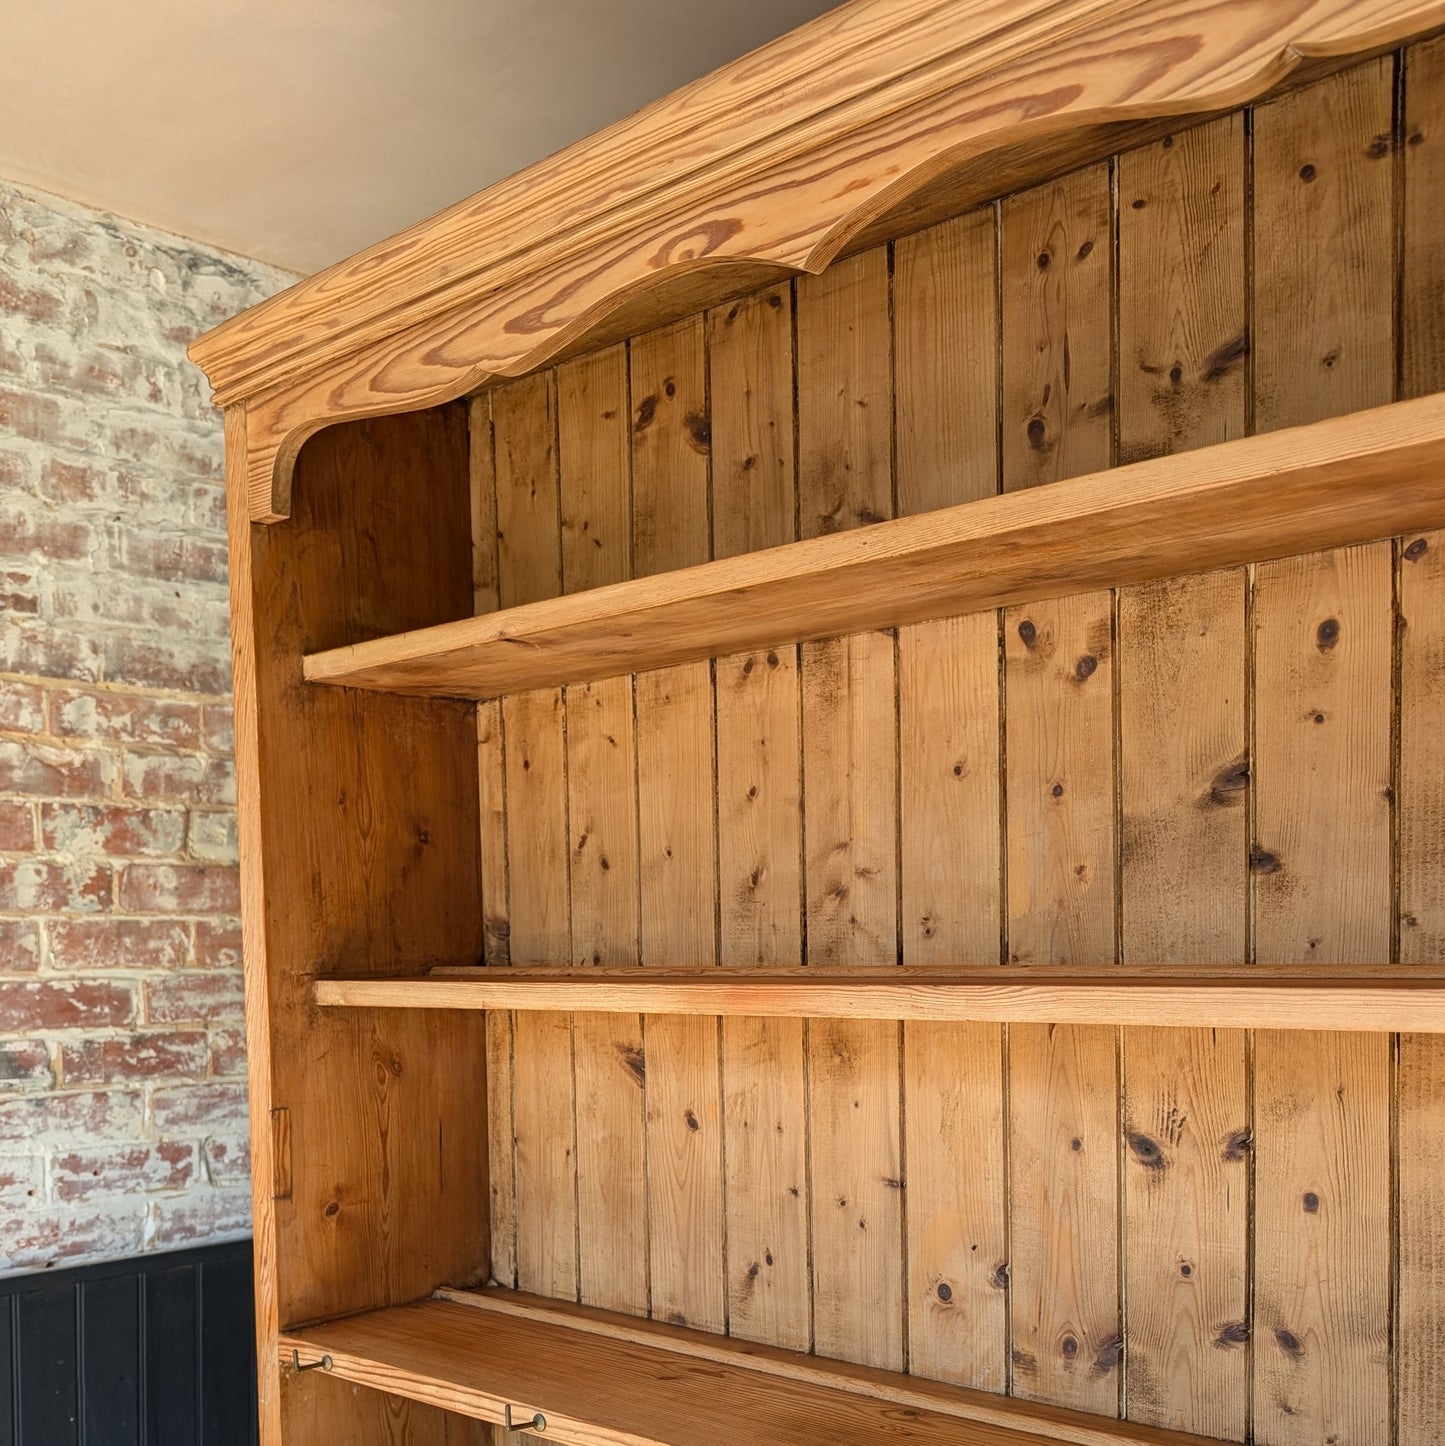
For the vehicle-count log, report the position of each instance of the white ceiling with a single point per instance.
(299, 131)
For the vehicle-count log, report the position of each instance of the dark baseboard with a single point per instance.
(156, 1351)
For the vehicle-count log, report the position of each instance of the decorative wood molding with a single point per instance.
(872, 120)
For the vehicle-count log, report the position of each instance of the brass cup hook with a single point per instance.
(324, 1364)
(538, 1422)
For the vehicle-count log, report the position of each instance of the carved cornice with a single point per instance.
(872, 120)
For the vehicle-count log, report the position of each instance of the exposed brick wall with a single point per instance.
(122, 1059)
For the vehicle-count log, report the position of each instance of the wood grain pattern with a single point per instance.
(1324, 338)
(774, 164)
(850, 801)
(604, 1380)
(676, 804)
(1063, 1193)
(1183, 346)
(353, 796)
(1358, 997)
(1420, 590)
(759, 792)
(1057, 305)
(1346, 480)
(594, 490)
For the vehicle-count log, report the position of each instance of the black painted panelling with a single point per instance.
(110, 1317)
(49, 1380)
(157, 1351)
(228, 1398)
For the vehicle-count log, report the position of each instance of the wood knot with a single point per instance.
(1416, 550)
(1037, 432)
(1236, 1333)
(333, 1209)
(1237, 1145)
(999, 1278)
(1086, 667)
(1082, 254)
(1311, 1203)
(646, 414)
(1262, 862)
(1076, 1144)
(1307, 173)
(1147, 1152)
(690, 1120)
(1290, 1344)
(1110, 1353)
(945, 1291)
(1043, 260)
(1057, 790)
(1327, 634)
(1028, 633)
(1069, 1348)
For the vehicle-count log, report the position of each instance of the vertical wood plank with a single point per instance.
(593, 468)
(945, 341)
(670, 471)
(1324, 342)
(1057, 320)
(524, 421)
(492, 791)
(850, 801)
(1058, 657)
(1420, 1322)
(1057, 290)
(1183, 343)
(750, 367)
(1063, 1193)
(1324, 272)
(1322, 1226)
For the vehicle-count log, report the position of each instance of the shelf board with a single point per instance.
(1351, 479)
(1347, 998)
(611, 1380)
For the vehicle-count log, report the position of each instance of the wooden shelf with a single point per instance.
(609, 1380)
(1351, 479)
(1395, 999)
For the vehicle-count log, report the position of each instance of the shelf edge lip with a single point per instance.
(1351, 1003)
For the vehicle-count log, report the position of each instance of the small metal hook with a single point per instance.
(538, 1423)
(324, 1364)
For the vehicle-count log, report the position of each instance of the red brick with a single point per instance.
(29, 304)
(200, 1109)
(201, 1214)
(111, 829)
(96, 372)
(163, 778)
(17, 827)
(30, 885)
(218, 944)
(22, 707)
(228, 1052)
(170, 663)
(228, 1160)
(178, 889)
(123, 1169)
(25, 1064)
(156, 1054)
(35, 418)
(45, 1004)
(209, 998)
(20, 946)
(125, 718)
(28, 526)
(145, 554)
(40, 649)
(19, 591)
(71, 1121)
(207, 509)
(218, 728)
(42, 772)
(22, 1183)
(91, 944)
(212, 836)
(49, 1234)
